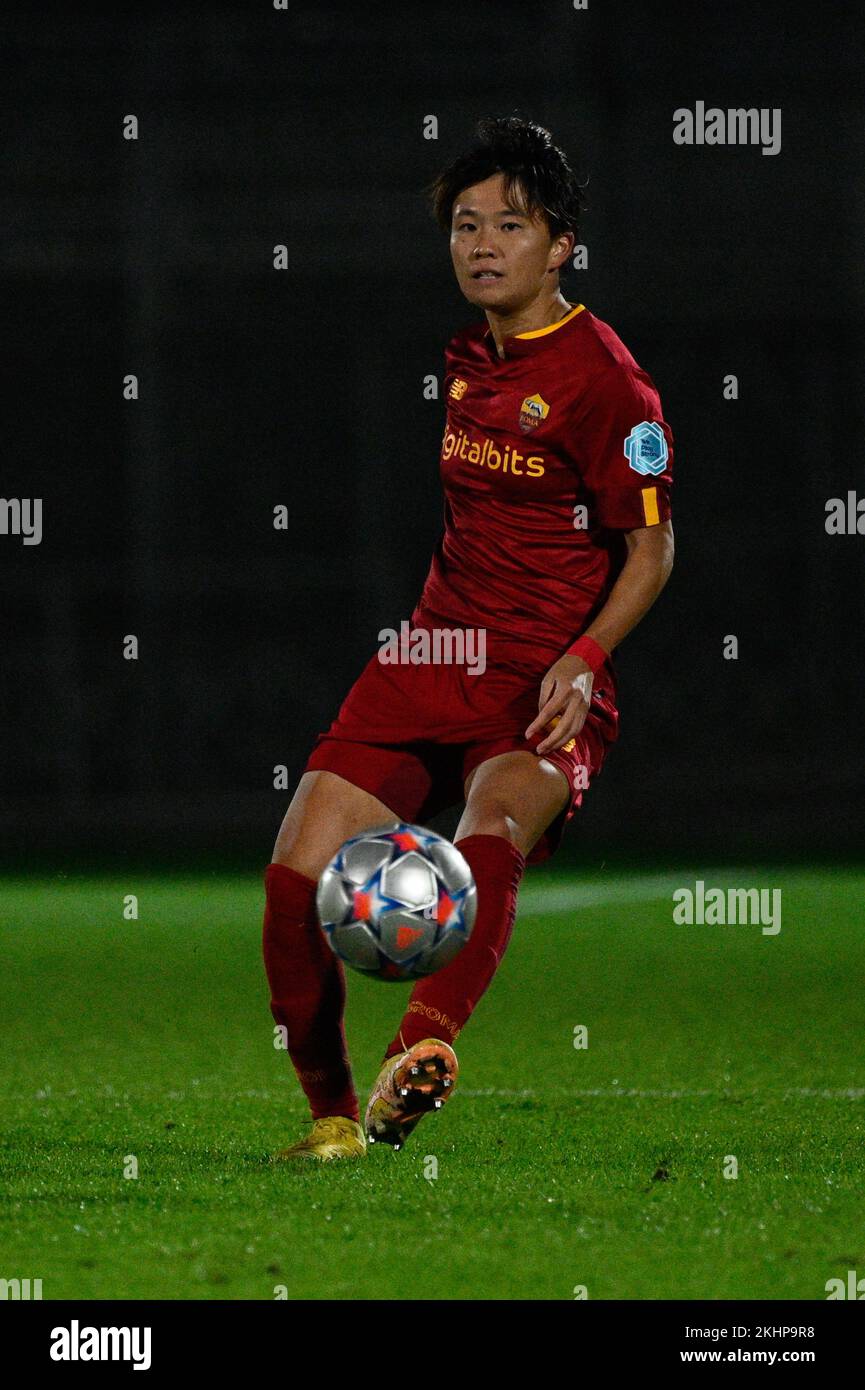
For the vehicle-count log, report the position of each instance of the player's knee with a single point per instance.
(322, 816)
(492, 816)
(309, 849)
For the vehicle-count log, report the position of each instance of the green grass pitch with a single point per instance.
(557, 1167)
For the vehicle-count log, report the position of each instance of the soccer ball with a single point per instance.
(397, 902)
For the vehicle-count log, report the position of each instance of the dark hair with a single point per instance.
(538, 177)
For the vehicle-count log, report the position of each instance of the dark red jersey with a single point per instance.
(549, 454)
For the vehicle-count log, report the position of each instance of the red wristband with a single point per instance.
(591, 652)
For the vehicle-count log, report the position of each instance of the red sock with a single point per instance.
(307, 987)
(442, 1003)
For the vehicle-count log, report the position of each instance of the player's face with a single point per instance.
(503, 259)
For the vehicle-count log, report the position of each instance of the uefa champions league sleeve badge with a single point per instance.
(646, 449)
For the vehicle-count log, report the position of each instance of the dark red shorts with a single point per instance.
(410, 735)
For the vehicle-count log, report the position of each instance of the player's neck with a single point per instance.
(539, 314)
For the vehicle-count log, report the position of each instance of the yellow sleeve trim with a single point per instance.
(551, 327)
(650, 505)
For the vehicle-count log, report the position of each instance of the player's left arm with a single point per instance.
(623, 453)
(566, 689)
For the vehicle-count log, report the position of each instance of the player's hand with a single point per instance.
(566, 691)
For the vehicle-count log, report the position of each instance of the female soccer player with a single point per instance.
(556, 468)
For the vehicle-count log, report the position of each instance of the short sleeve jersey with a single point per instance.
(549, 455)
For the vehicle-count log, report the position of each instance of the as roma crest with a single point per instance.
(533, 411)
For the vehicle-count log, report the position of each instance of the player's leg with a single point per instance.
(306, 979)
(510, 801)
(514, 796)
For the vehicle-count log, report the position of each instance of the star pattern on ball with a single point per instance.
(449, 909)
(369, 902)
(407, 839)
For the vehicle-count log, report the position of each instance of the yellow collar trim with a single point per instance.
(551, 327)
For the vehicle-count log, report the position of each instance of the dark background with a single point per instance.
(305, 388)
